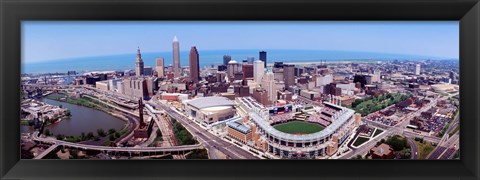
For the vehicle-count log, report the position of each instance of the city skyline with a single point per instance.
(246, 104)
(438, 39)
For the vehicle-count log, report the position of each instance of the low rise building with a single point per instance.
(382, 151)
(239, 132)
(102, 85)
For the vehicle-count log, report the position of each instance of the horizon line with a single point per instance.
(148, 52)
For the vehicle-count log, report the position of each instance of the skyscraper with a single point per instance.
(159, 66)
(250, 59)
(452, 75)
(263, 57)
(417, 69)
(139, 64)
(258, 71)
(176, 57)
(232, 68)
(288, 75)
(226, 59)
(194, 66)
(247, 71)
(268, 83)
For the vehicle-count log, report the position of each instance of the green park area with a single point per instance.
(182, 135)
(372, 104)
(85, 101)
(424, 148)
(298, 127)
(360, 141)
(377, 132)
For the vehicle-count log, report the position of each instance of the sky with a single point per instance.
(53, 40)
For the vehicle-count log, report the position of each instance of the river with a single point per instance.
(83, 119)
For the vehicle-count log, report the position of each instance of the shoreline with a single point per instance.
(216, 63)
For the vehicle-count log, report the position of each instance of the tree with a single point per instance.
(117, 135)
(397, 142)
(67, 113)
(60, 136)
(90, 135)
(111, 131)
(198, 154)
(47, 132)
(101, 132)
(356, 102)
(111, 137)
(74, 154)
(47, 119)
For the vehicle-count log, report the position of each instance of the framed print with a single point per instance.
(258, 89)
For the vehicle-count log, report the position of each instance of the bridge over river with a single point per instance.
(55, 143)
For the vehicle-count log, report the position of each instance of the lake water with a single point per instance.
(207, 58)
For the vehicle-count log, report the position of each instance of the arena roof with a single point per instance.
(213, 101)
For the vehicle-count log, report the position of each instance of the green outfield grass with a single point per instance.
(297, 127)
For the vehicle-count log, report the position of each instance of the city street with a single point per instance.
(210, 141)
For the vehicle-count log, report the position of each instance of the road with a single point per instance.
(446, 148)
(209, 141)
(54, 141)
(413, 147)
(134, 123)
(44, 153)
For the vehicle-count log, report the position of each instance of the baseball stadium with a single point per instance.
(293, 132)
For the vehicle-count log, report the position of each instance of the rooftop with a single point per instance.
(240, 127)
(382, 149)
(212, 101)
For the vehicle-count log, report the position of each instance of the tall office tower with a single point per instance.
(139, 64)
(417, 69)
(226, 59)
(376, 76)
(232, 68)
(176, 57)
(452, 75)
(194, 67)
(159, 66)
(247, 71)
(268, 83)
(288, 75)
(258, 71)
(263, 57)
(250, 59)
(148, 71)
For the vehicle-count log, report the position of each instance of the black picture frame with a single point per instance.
(12, 12)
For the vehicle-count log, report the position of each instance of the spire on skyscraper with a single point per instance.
(175, 39)
(139, 71)
(139, 55)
